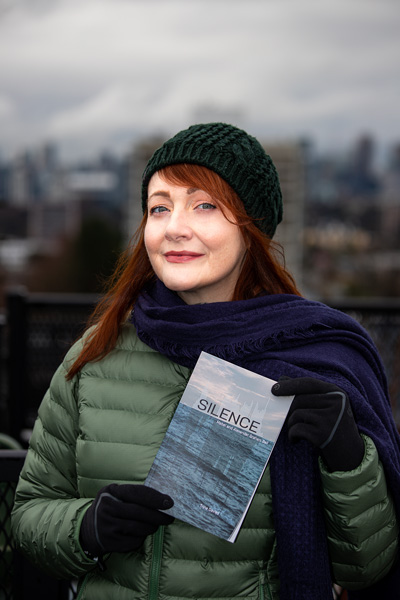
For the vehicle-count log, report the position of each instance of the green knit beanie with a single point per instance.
(234, 155)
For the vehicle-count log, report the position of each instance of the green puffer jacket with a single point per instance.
(105, 426)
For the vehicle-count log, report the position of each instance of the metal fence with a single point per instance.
(19, 579)
(35, 333)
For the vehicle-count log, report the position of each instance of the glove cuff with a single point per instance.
(88, 538)
(346, 451)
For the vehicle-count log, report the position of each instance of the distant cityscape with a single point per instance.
(62, 227)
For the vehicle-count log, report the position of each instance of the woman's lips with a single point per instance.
(181, 257)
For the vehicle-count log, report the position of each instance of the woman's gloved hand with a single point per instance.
(321, 413)
(121, 516)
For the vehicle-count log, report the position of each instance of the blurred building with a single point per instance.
(341, 219)
(20, 185)
(352, 234)
(289, 159)
(44, 203)
(137, 162)
(390, 198)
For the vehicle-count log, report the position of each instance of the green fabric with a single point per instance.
(106, 426)
(234, 155)
(361, 521)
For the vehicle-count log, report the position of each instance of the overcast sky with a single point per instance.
(94, 74)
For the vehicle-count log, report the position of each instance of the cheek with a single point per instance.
(228, 243)
(150, 240)
(151, 250)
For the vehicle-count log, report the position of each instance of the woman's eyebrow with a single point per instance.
(159, 193)
(166, 194)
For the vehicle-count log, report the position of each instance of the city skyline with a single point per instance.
(104, 74)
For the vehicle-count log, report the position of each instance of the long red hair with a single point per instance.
(263, 268)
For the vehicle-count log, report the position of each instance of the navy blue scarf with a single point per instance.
(278, 335)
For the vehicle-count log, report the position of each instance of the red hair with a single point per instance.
(262, 270)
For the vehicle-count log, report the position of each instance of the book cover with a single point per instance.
(217, 445)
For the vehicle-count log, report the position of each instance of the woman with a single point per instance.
(203, 276)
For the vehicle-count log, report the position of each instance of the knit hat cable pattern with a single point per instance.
(235, 156)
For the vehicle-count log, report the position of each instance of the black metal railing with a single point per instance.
(19, 579)
(38, 330)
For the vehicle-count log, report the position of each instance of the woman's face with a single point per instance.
(192, 247)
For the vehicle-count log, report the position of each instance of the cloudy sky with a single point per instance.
(97, 74)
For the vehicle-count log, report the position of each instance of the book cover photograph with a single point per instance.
(217, 445)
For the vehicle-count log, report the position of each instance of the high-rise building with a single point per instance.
(289, 159)
(20, 181)
(139, 158)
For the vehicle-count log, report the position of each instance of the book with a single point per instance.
(217, 445)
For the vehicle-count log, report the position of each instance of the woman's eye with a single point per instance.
(158, 209)
(206, 206)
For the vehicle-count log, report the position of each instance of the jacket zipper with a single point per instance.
(155, 568)
(264, 591)
(261, 586)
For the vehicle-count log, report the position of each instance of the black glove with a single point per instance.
(321, 414)
(121, 516)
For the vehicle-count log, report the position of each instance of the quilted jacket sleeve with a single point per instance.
(47, 510)
(361, 522)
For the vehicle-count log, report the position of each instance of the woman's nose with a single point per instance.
(178, 225)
